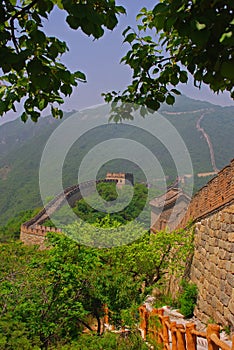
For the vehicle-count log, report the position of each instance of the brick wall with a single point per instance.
(213, 267)
(33, 232)
(35, 235)
(217, 193)
(212, 270)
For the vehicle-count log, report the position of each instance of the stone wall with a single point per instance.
(212, 268)
(33, 232)
(36, 234)
(218, 192)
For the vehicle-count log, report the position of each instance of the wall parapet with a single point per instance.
(218, 192)
(33, 232)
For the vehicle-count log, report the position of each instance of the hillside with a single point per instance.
(21, 146)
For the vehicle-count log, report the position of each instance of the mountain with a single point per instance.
(204, 128)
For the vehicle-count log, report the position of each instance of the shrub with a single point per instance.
(188, 298)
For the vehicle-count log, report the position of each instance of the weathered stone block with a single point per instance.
(229, 266)
(214, 259)
(222, 253)
(223, 244)
(216, 304)
(219, 318)
(230, 279)
(223, 274)
(231, 236)
(224, 298)
(227, 286)
(231, 306)
(229, 318)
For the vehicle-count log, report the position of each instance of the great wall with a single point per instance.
(33, 232)
(212, 212)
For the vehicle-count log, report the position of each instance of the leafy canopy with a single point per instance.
(30, 60)
(175, 38)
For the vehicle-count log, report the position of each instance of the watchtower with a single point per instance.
(121, 178)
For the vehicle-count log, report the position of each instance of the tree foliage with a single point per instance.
(48, 297)
(108, 192)
(175, 38)
(11, 230)
(30, 60)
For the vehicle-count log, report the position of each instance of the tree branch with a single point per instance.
(23, 10)
(12, 19)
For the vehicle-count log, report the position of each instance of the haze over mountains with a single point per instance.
(205, 128)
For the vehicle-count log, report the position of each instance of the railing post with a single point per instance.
(212, 329)
(153, 324)
(190, 337)
(165, 331)
(143, 321)
(180, 337)
(160, 329)
(173, 335)
(106, 316)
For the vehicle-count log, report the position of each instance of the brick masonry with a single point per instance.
(212, 270)
(213, 267)
(36, 234)
(218, 192)
(33, 231)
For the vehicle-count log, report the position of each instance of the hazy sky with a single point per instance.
(100, 60)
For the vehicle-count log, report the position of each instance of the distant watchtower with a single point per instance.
(168, 209)
(120, 178)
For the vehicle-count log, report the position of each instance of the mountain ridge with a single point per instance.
(20, 160)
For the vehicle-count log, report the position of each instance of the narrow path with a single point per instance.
(185, 112)
(200, 129)
(208, 140)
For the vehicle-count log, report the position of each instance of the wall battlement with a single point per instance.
(218, 192)
(33, 231)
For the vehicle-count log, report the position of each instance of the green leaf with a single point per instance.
(126, 30)
(58, 99)
(183, 77)
(79, 75)
(24, 117)
(34, 116)
(3, 107)
(200, 26)
(170, 100)
(66, 89)
(225, 36)
(42, 104)
(120, 9)
(152, 104)
(176, 92)
(73, 22)
(159, 8)
(130, 37)
(227, 70)
(35, 66)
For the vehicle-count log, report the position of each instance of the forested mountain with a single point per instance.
(21, 147)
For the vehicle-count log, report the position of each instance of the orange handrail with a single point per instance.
(172, 335)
